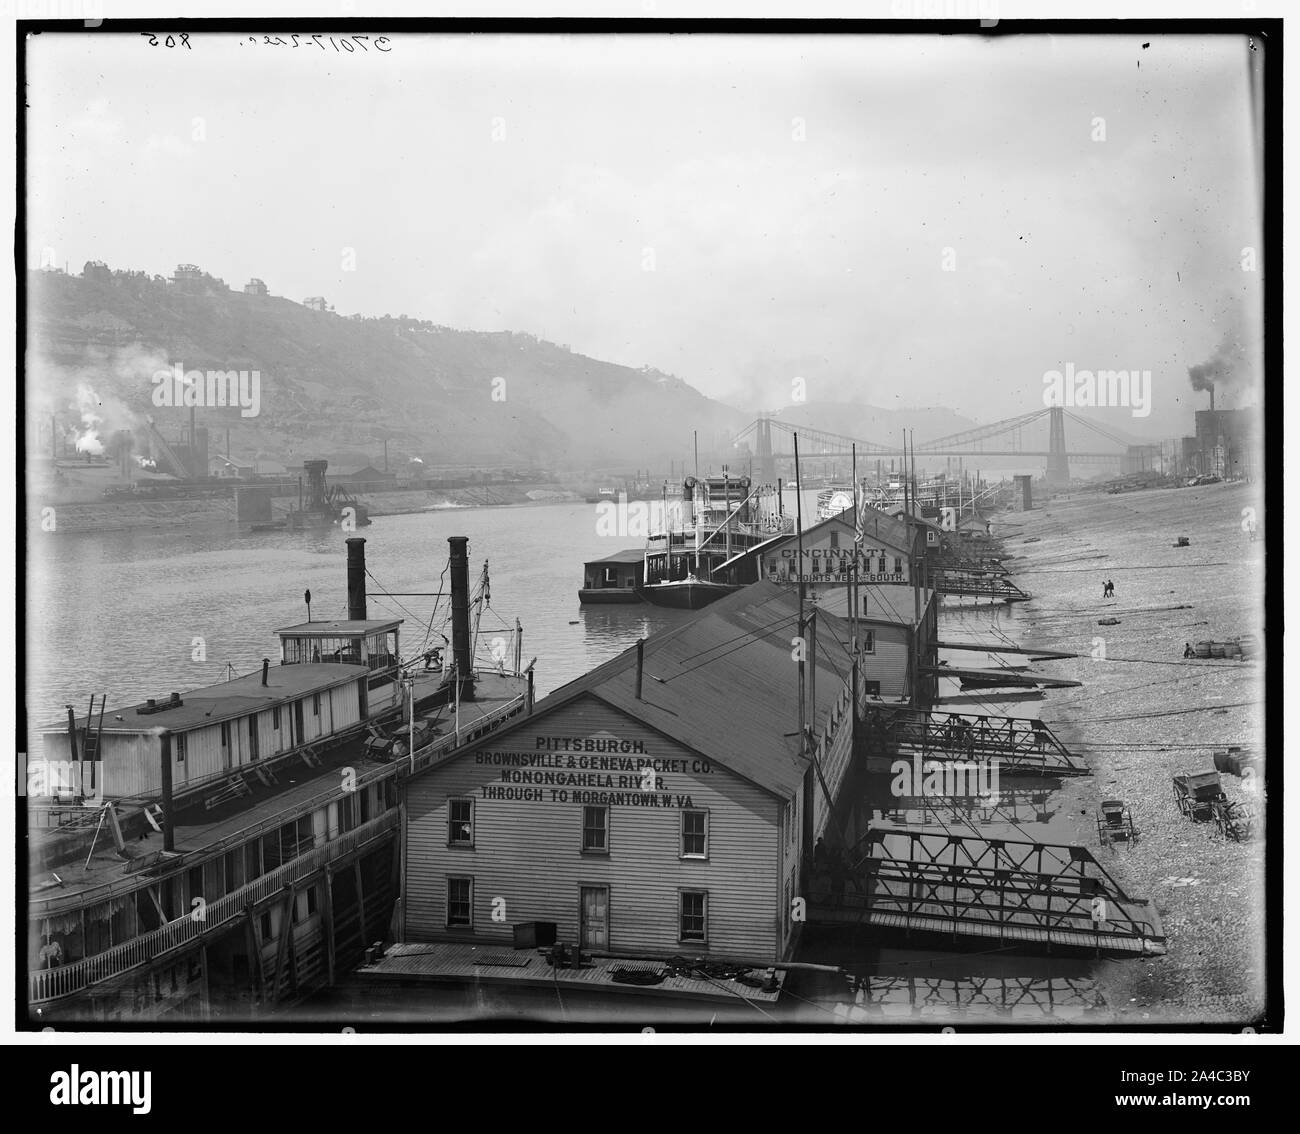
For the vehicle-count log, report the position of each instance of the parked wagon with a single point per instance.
(1196, 794)
(1115, 823)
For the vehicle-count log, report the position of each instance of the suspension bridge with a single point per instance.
(1037, 434)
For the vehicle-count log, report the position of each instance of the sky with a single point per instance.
(900, 221)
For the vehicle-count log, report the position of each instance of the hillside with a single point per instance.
(338, 386)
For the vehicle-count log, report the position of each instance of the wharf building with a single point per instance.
(897, 611)
(660, 805)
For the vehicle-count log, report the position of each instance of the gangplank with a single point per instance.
(1022, 745)
(1031, 895)
(980, 583)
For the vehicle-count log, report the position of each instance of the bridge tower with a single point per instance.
(1058, 461)
(764, 465)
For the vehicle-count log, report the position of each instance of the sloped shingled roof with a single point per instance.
(725, 684)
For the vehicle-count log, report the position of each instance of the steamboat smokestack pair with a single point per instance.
(462, 659)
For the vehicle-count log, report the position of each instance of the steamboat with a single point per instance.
(227, 852)
(721, 517)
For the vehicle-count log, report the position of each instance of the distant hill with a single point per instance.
(337, 386)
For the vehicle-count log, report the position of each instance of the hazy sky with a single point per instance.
(794, 197)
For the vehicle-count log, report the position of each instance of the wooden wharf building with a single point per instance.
(660, 805)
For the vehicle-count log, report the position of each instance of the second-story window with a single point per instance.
(180, 748)
(460, 822)
(275, 717)
(695, 834)
(595, 829)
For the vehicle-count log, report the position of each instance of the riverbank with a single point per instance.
(1144, 713)
(76, 517)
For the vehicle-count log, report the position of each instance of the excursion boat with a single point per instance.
(724, 517)
(213, 854)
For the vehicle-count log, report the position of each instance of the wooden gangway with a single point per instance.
(1038, 896)
(978, 582)
(1022, 745)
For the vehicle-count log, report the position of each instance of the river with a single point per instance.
(135, 614)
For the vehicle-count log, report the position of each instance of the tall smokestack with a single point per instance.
(1211, 399)
(460, 648)
(357, 578)
(165, 786)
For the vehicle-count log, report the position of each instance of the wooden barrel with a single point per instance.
(1202, 649)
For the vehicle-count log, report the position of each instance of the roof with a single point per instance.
(342, 627)
(226, 701)
(723, 684)
(628, 555)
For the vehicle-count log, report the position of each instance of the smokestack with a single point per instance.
(266, 666)
(460, 648)
(165, 782)
(640, 665)
(357, 578)
(1211, 399)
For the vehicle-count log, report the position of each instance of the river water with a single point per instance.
(135, 614)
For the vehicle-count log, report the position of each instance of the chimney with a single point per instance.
(357, 579)
(165, 784)
(460, 646)
(266, 666)
(1211, 399)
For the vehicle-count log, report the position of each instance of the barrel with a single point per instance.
(1202, 649)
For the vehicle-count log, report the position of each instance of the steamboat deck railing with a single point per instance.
(65, 980)
(424, 757)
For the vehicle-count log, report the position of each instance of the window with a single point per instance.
(225, 734)
(311, 900)
(693, 915)
(595, 829)
(695, 834)
(898, 565)
(460, 903)
(275, 717)
(881, 567)
(460, 823)
(835, 541)
(266, 927)
(868, 641)
(180, 748)
(315, 704)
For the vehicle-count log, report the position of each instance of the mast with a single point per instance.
(857, 551)
(806, 832)
(726, 505)
(916, 601)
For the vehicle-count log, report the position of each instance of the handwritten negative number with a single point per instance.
(169, 41)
